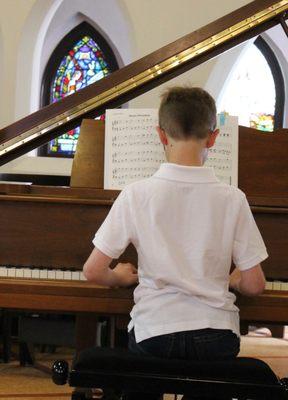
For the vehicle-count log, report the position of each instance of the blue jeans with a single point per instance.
(202, 344)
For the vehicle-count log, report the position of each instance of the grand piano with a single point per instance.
(46, 232)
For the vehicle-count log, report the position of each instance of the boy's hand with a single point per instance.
(125, 274)
(97, 270)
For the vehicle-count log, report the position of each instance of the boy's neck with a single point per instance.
(189, 153)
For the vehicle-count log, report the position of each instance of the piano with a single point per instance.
(263, 176)
(46, 238)
(46, 232)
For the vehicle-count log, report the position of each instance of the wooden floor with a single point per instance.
(31, 384)
(273, 351)
(28, 383)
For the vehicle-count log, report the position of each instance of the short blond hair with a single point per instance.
(187, 112)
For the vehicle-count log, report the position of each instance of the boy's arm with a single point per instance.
(97, 270)
(248, 252)
(250, 282)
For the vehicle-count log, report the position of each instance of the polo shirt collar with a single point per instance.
(185, 173)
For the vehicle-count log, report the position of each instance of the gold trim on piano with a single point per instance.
(147, 75)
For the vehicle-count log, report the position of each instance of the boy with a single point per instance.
(187, 227)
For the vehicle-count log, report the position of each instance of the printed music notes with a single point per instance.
(132, 148)
(223, 156)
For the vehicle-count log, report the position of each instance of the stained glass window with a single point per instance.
(86, 59)
(84, 64)
(251, 92)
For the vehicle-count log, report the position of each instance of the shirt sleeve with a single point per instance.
(248, 246)
(115, 233)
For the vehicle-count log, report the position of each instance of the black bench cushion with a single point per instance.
(242, 369)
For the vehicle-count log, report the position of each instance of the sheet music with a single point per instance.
(132, 147)
(133, 150)
(223, 156)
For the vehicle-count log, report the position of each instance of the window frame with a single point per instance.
(278, 78)
(61, 50)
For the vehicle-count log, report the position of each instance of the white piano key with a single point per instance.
(75, 275)
(3, 271)
(68, 275)
(284, 286)
(269, 285)
(51, 274)
(39, 273)
(19, 272)
(11, 272)
(27, 272)
(276, 285)
(59, 274)
(35, 274)
(82, 277)
(44, 273)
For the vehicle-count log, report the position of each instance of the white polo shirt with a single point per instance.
(187, 227)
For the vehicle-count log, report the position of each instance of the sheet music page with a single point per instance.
(133, 150)
(132, 147)
(223, 156)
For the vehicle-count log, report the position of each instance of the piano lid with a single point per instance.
(140, 76)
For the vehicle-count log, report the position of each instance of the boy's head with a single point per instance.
(187, 113)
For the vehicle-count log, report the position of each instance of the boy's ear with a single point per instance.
(162, 136)
(212, 138)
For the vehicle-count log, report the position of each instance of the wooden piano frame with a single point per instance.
(39, 224)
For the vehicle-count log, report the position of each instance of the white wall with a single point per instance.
(134, 28)
(45, 23)
(2, 97)
(168, 21)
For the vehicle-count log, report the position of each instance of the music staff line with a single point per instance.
(135, 143)
(134, 121)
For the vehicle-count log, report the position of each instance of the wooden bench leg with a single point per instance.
(26, 354)
(6, 326)
(86, 328)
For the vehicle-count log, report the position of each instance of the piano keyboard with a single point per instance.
(73, 275)
(276, 285)
(41, 273)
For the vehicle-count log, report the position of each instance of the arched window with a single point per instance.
(255, 91)
(81, 58)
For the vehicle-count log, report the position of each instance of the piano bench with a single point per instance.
(118, 371)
